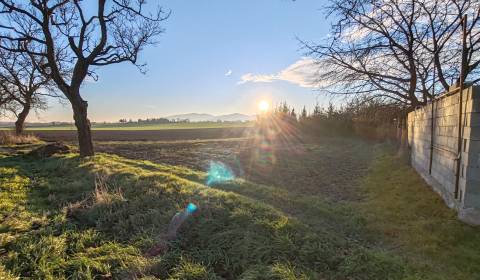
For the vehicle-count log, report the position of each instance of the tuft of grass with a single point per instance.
(9, 138)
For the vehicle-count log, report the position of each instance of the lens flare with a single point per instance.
(179, 218)
(191, 208)
(263, 106)
(218, 172)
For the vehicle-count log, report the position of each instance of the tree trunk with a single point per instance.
(82, 123)
(19, 124)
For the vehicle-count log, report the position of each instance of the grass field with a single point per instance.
(331, 209)
(136, 126)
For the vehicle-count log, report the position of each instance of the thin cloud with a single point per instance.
(229, 73)
(303, 72)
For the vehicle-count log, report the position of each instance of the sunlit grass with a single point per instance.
(65, 217)
(85, 233)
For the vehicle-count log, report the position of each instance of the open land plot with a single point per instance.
(137, 126)
(336, 208)
(145, 135)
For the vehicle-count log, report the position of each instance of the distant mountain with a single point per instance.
(235, 117)
(193, 117)
(7, 124)
(196, 117)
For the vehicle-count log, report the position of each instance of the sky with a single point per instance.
(216, 57)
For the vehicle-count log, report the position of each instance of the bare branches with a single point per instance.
(70, 38)
(391, 47)
(68, 41)
(22, 86)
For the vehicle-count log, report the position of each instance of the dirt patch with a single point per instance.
(49, 150)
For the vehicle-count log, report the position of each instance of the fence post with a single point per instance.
(461, 87)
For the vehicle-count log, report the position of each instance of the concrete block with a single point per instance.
(470, 216)
(471, 160)
(472, 193)
(472, 119)
(452, 143)
(473, 174)
(475, 92)
(472, 133)
(473, 146)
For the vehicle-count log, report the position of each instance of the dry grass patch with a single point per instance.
(9, 138)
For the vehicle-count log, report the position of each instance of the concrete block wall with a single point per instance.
(444, 151)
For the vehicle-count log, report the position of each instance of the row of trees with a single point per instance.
(361, 110)
(51, 47)
(363, 117)
(398, 51)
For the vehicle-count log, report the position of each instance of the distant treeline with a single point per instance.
(154, 121)
(367, 118)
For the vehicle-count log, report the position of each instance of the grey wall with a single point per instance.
(444, 152)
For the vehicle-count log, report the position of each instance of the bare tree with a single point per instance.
(75, 40)
(22, 84)
(388, 49)
(442, 19)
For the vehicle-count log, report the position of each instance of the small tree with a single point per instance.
(330, 111)
(317, 110)
(74, 40)
(303, 115)
(293, 115)
(22, 83)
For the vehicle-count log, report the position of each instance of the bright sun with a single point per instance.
(263, 106)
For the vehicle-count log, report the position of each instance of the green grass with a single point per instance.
(136, 126)
(55, 225)
(414, 220)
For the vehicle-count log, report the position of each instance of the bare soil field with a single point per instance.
(330, 166)
(145, 135)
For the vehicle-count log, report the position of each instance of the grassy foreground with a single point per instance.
(57, 225)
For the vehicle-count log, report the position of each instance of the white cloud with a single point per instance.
(303, 72)
(229, 73)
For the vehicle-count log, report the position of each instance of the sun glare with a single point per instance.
(263, 106)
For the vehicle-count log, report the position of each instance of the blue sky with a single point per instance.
(216, 56)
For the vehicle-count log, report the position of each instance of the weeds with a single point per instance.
(105, 194)
(9, 138)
